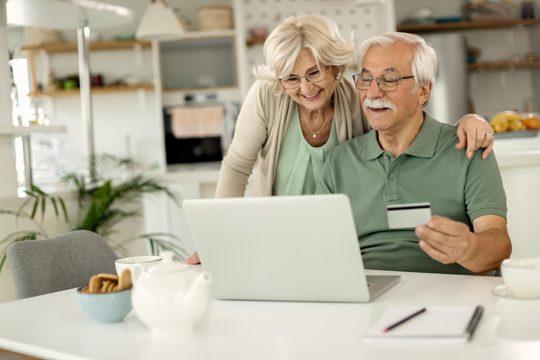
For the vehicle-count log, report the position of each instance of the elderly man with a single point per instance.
(410, 157)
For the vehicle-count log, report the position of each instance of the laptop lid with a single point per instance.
(291, 248)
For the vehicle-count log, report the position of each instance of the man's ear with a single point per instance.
(423, 93)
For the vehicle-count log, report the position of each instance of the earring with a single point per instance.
(338, 77)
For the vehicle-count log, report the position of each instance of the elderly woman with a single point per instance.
(300, 107)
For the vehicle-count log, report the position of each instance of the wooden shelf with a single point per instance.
(95, 90)
(503, 65)
(97, 45)
(468, 25)
(207, 34)
(201, 35)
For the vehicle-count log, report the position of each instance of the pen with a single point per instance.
(405, 319)
(475, 319)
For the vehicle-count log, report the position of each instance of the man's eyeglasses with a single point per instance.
(313, 76)
(386, 83)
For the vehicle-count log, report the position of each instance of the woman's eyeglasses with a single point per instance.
(313, 76)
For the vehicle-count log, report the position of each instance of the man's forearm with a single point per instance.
(488, 249)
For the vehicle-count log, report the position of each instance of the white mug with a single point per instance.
(146, 261)
(522, 277)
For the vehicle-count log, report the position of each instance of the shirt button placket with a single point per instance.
(392, 193)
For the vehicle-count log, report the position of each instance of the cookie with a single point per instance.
(104, 286)
(94, 285)
(105, 276)
(124, 281)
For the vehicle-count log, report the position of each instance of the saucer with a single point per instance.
(503, 291)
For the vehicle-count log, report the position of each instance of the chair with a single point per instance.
(67, 261)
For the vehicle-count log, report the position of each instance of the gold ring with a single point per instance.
(491, 132)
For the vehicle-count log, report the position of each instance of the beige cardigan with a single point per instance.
(260, 129)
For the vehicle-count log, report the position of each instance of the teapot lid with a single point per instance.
(167, 264)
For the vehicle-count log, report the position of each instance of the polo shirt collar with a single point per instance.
(373, 149)
(423, 146)
(425, 143)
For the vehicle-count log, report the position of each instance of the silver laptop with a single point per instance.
(284, 248)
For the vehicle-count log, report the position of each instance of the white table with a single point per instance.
(52, 326)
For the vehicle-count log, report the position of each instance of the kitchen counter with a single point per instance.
(518, 151)
(519, 162)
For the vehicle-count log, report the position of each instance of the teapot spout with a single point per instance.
(196, 298)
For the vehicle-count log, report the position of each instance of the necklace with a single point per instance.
(314, 133)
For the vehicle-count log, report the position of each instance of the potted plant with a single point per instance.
(103, 203)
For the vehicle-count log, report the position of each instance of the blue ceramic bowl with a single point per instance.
(106, 308)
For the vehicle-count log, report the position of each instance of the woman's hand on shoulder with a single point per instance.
(474, 133)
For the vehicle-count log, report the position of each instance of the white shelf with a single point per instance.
(35, 129)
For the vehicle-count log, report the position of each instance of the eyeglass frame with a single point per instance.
(322, 69)
(378, 79)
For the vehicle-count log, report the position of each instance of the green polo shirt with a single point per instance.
(430, 170)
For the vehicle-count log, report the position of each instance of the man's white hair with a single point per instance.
(424, 67)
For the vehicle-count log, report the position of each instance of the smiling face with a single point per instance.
(312, 96)
(393, 110)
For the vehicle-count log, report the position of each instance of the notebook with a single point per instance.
(283, 248)
(455, 323)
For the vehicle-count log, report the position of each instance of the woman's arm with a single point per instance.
(249, 136)
(474, 132)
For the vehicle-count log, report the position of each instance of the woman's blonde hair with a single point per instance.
(284, 44)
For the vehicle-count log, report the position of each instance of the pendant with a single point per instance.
(314, 135)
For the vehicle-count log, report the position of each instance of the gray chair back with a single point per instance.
(67, 261)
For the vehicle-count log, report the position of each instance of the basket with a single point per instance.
(214, 17)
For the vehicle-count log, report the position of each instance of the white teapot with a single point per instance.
(170, 297)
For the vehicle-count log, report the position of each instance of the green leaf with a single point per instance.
(55, 207)
(64, 209)
(43, 207)
(34, 208)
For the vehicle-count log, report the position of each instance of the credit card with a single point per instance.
(408, 216)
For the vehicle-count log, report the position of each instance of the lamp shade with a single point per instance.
(158, 23)
(65, 14)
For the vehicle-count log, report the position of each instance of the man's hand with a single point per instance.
(474, 132)
(445, 240)
(449, 241)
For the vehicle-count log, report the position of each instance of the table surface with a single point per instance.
(52, 326)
